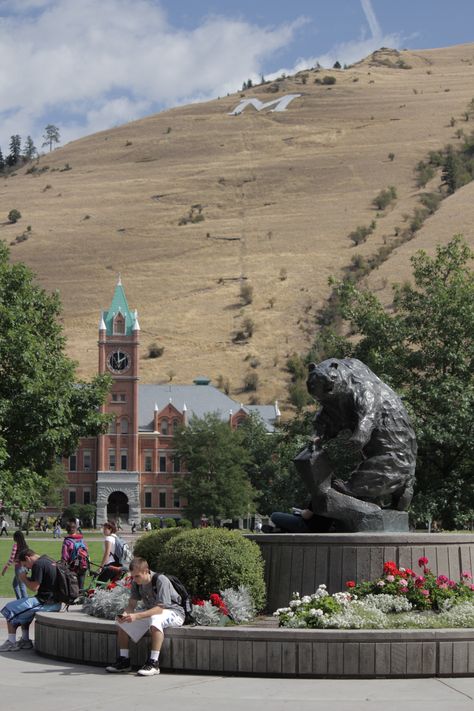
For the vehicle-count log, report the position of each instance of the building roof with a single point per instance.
(196, 400)
(119, 305)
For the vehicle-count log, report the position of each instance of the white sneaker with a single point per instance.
(8, 646)
(149, 669)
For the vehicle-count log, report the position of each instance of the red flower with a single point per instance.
(390, 568)
(198, 601)
(422, 561)
(409, 571)
(350, 584)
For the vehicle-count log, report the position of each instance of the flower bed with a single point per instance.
(400, 598)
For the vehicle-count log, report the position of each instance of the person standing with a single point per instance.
(162, 609)
(20, 613)
(19, 544)
(108, 568)
(75, 553)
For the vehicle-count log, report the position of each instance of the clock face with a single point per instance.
(118, 361)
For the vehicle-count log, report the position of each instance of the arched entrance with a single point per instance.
(117, 506)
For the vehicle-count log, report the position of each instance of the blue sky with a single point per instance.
(88, 65)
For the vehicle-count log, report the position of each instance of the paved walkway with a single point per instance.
(28, 680)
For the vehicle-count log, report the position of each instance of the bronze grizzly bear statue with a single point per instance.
(353, 398)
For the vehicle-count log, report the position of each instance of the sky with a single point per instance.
(89, 65)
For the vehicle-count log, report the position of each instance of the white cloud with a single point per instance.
(88, 65)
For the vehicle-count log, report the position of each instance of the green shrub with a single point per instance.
(170, 522)
(14, 216)
(155, 351)
(327, 80)
(251, 382)
(384, 198)
(431, 201)
(184, 523)
(208, 560)
(425, 173)
(151, 546)
(246, 293)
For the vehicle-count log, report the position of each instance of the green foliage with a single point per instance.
(385, 198)
(326, 80)
(424, 173)
(170, 522)
(151, 546)
(251, 380)
(360, 234)
(51, 135)
(431, 201)
(42, 410)
(184, 523)
(424, 349)
(391, 156)
(209, 560)
(217, 482)
(84, 512)
(14, 215)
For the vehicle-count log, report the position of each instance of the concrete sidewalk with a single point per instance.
(28, 680)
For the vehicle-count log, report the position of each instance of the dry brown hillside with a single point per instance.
(280, 192)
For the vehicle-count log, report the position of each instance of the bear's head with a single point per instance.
(327, 379)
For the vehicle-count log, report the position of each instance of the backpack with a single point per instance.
(78, 554)
(122, 552)
(66, 587)
(182, 592)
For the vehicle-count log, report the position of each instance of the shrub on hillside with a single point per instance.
(14, 216)
(209, 560)
(384, 198)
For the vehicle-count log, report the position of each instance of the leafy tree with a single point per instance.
(2, 162)
(51, 135)
(217, 483)
(43, 411)
(29, 149)
(14, 215)
(454, 175)
(424, 348)
(15, 150)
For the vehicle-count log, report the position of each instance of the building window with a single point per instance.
(162, 463)
(73, 463)
(87, 496)
(112, 461)
(176, 464)
(114, 397)
(123, 459)
(147, 504)
(72, 496)
(87, 460)
(119, 397)
(164, 426)
(148, 461)
(162, 499)
(124, 425)
(119, 325)
(176, 501)
(175, 425)
(112, 427)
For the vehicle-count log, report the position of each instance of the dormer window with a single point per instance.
(119, 325)
(164, 426)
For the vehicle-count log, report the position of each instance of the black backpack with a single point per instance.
(182, 592)
(66, 587)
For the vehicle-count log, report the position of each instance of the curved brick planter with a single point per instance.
(266, 650)
(300, 562)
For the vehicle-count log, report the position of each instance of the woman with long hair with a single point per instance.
(19, 544)
(108, 566)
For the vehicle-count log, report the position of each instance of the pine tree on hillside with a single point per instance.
(29, 149)
(51, 135)
(15, 150)
(2, 162)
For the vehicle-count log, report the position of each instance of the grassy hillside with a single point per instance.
(279, 194)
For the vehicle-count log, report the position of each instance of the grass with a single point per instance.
(51, 548)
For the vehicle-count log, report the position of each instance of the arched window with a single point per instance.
(175, 425)
(124, 425)
(112, 427)
(164, 426)
(119, 325)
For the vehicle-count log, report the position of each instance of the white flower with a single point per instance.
(380, 584)
(306, 598)
(295, 603)
(316, 612)
(291, 614)
(322, 586)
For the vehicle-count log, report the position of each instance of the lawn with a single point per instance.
(51, 548)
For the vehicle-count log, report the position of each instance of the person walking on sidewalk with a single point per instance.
(19, 544)
(162, 609)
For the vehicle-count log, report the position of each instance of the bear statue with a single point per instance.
(353, 398)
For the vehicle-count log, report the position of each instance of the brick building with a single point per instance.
(130, 471)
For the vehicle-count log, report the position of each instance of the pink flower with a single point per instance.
(441, 579)
(422, 561)
(451, 583)
(419, 581)
(390, 579)
(403, 583)
(443, 586)
(426, 593)
(467, 575)
(380, 584)
(471, 587)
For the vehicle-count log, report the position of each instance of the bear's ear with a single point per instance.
(311, 367)
(334, 365)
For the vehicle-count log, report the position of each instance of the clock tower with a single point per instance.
(118, 475)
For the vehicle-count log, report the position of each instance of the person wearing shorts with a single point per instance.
(20, 613)
(162, 609)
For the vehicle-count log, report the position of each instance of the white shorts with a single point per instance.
(136, 629)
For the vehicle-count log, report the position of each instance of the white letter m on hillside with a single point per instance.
(279, 104)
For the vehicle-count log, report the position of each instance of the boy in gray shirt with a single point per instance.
(162, 609)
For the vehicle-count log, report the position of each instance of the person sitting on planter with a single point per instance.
(162, 609)
(20, 613)
(299, 521)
